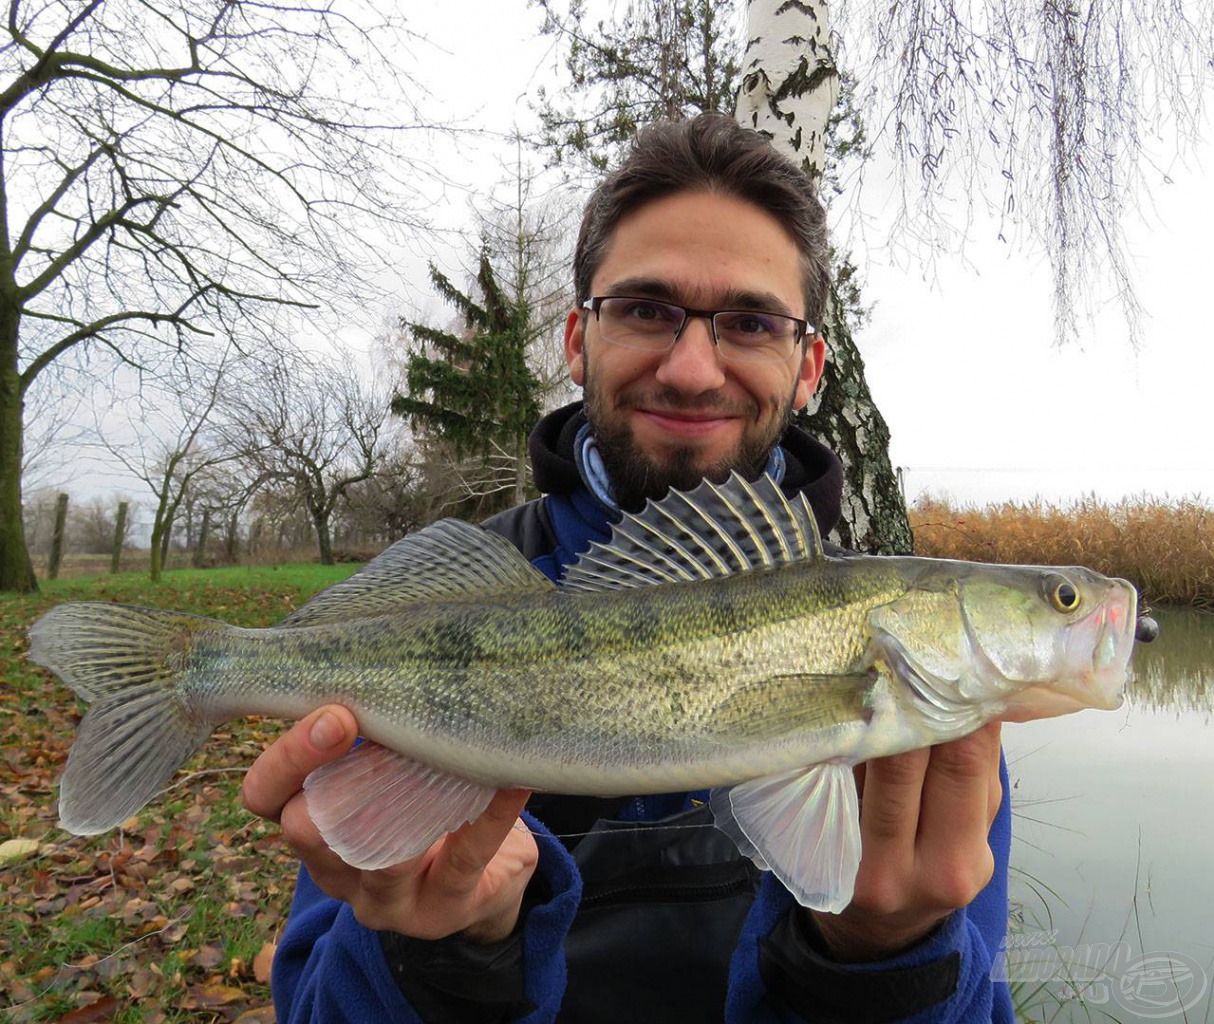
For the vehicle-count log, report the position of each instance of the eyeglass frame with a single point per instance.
(595, 302)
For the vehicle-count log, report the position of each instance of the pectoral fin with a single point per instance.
(803, 826)
(376, 808)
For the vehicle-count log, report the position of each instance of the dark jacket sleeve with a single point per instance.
(329, 969)
(779, 975)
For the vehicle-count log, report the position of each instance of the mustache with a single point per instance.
(668, 399)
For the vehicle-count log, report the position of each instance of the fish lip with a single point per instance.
(1100, 662)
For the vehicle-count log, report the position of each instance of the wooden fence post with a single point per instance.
(52, 571)
(119, 537)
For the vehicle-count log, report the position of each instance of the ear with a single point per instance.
(575, 340)
(810, 372)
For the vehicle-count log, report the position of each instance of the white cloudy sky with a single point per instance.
(961, 358)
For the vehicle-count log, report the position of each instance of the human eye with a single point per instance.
(750, 326)
(645, 313)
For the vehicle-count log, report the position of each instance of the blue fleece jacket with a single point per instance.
(330, 969)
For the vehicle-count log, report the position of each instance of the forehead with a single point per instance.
(703, 249)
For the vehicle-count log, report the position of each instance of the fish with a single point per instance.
(710, 643)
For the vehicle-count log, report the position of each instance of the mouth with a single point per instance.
(687, 423)
(1097, 651)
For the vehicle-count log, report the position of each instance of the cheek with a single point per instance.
(772, 392)
(623, 371)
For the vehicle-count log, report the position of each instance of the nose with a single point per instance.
(693, 364)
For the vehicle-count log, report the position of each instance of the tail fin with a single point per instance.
(139, 729)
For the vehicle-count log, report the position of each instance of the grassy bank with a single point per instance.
(174, 917)
(1166, 549)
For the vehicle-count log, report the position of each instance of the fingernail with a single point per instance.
(326, 731)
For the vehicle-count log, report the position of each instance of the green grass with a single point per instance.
(167, 914)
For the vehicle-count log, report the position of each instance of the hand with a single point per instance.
(924, 821)
(469, 881)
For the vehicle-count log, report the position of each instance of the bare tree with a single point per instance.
(1040, 112)
(313, 425)
(173, 169)
(385, 506)
(54, 409)
(172, 442)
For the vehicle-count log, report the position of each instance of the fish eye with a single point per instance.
(1061, 593)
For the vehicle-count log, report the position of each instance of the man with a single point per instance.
(699, 272)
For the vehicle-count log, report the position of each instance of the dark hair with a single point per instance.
(709, 153)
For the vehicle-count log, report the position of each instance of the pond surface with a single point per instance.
(1113, 855)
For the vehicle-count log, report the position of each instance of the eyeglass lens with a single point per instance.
(740, 334)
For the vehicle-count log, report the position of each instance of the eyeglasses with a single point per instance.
(745, 335)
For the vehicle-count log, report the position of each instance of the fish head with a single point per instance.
(1063, 645)
(1021, 642)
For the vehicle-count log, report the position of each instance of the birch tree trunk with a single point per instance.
(789, 86)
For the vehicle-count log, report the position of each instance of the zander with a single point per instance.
(709, 643)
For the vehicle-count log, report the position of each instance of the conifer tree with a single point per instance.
(473, 391)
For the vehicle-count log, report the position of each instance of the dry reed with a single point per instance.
(1165, 548)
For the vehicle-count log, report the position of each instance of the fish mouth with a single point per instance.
(1092, 655)
(1099, 647)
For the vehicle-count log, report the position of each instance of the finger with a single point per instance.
(889, 814)
(468, 850)
(994, 799)
(332, 874)
(279, 773)
(957, 788)
(955, 816)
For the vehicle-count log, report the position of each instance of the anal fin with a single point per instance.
(375, 807)
(803, 826)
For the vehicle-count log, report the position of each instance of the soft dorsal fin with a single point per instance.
(714, 530)
(448, 561)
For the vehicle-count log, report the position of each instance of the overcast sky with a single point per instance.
(960, 356)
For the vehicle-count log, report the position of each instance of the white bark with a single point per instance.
(790, 81)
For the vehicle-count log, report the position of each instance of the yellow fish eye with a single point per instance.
(1061, 593)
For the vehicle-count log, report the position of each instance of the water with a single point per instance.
(1113, 857)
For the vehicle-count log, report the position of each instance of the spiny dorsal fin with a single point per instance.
(712, 531)
(448, 561)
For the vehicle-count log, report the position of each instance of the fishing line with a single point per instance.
(519, 826)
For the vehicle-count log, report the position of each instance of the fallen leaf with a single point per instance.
(103, 1009)
(263, 961)
(174, 932)
(208, 957)
(141, 983)
(211, 995)
(12, 851)
(257, 1015)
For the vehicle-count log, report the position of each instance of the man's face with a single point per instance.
(670, 419)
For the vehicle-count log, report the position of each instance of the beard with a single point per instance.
(637, 475)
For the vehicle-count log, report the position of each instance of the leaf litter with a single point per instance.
(173, 917)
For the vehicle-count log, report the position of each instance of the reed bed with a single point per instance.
(1164, 547)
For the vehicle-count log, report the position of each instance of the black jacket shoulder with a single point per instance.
(526, 526)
